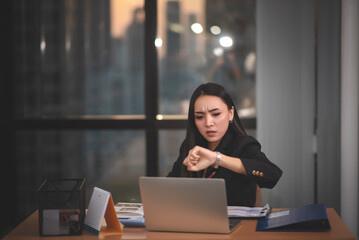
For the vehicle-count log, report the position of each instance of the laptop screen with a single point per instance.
(184, 204)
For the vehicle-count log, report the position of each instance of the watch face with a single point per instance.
(218, 159)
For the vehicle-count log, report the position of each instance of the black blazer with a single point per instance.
(241, 189)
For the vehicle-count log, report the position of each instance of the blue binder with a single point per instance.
(310, 218)
(136, 222)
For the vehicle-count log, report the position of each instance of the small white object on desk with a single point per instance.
(101, 206)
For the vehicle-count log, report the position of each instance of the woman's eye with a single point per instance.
(199, 117)
(216, 114)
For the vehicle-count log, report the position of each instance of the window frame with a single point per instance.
(147, 122)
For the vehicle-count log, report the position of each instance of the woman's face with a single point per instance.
(212, 118)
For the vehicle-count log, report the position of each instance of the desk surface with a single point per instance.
(29, 230)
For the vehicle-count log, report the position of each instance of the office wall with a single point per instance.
(328, 103)
(286, 96)
(349, 114)
(307, 101)
(7, 169)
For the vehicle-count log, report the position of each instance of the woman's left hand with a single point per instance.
(200, 158)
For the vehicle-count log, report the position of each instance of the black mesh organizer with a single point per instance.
(61, 207)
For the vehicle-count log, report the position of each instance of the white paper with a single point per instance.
(97, 208)
(238, 211)
(50, 222)
(126, 210)
(278, 214)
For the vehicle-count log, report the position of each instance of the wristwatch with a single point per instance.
(218, 159)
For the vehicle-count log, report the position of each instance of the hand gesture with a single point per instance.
(199, 158)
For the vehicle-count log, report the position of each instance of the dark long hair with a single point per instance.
(193, 137)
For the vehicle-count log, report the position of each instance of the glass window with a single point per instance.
(206, 41)
(169, 145)
(112, 160)
(75, 58)
(85, 60)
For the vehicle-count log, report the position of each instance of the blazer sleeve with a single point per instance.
(262, 171)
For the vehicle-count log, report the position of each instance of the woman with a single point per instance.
(216, 145)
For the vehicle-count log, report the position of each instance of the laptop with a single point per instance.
(185, 205)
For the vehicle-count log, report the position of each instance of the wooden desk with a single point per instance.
(29, 230)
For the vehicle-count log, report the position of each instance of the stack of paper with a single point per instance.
(130, 214)
(248, 212)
